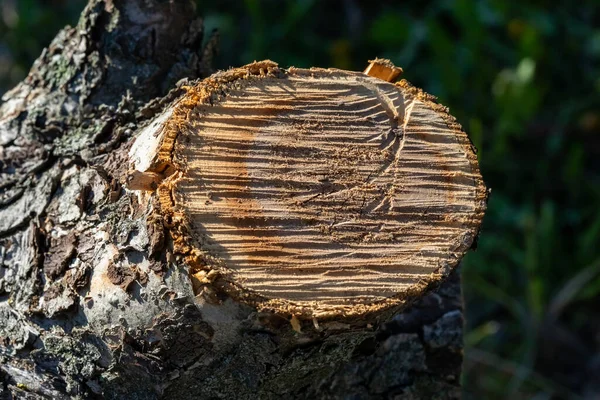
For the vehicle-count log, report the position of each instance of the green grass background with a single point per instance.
(523, 78)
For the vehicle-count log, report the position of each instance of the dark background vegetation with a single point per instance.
(523, 78)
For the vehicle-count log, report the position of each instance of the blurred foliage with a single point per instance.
(523, 78)
(26, 27)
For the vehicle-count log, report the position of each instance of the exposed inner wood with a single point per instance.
(328, 189)
(383, 69)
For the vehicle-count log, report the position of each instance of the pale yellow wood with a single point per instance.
(383, 69)
(323, 191)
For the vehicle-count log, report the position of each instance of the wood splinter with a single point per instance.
(146, 181)
(383, 69)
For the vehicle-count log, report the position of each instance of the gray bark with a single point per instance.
(92, 302)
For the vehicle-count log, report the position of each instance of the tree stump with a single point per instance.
(264, 232)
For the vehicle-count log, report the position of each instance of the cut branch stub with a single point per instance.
(315, 192)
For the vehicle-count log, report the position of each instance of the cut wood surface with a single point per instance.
(320, 192)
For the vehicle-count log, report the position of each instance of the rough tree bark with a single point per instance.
(99, 295)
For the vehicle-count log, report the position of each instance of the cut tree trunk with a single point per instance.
(262, 233)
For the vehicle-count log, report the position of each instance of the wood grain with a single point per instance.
(327, 190)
